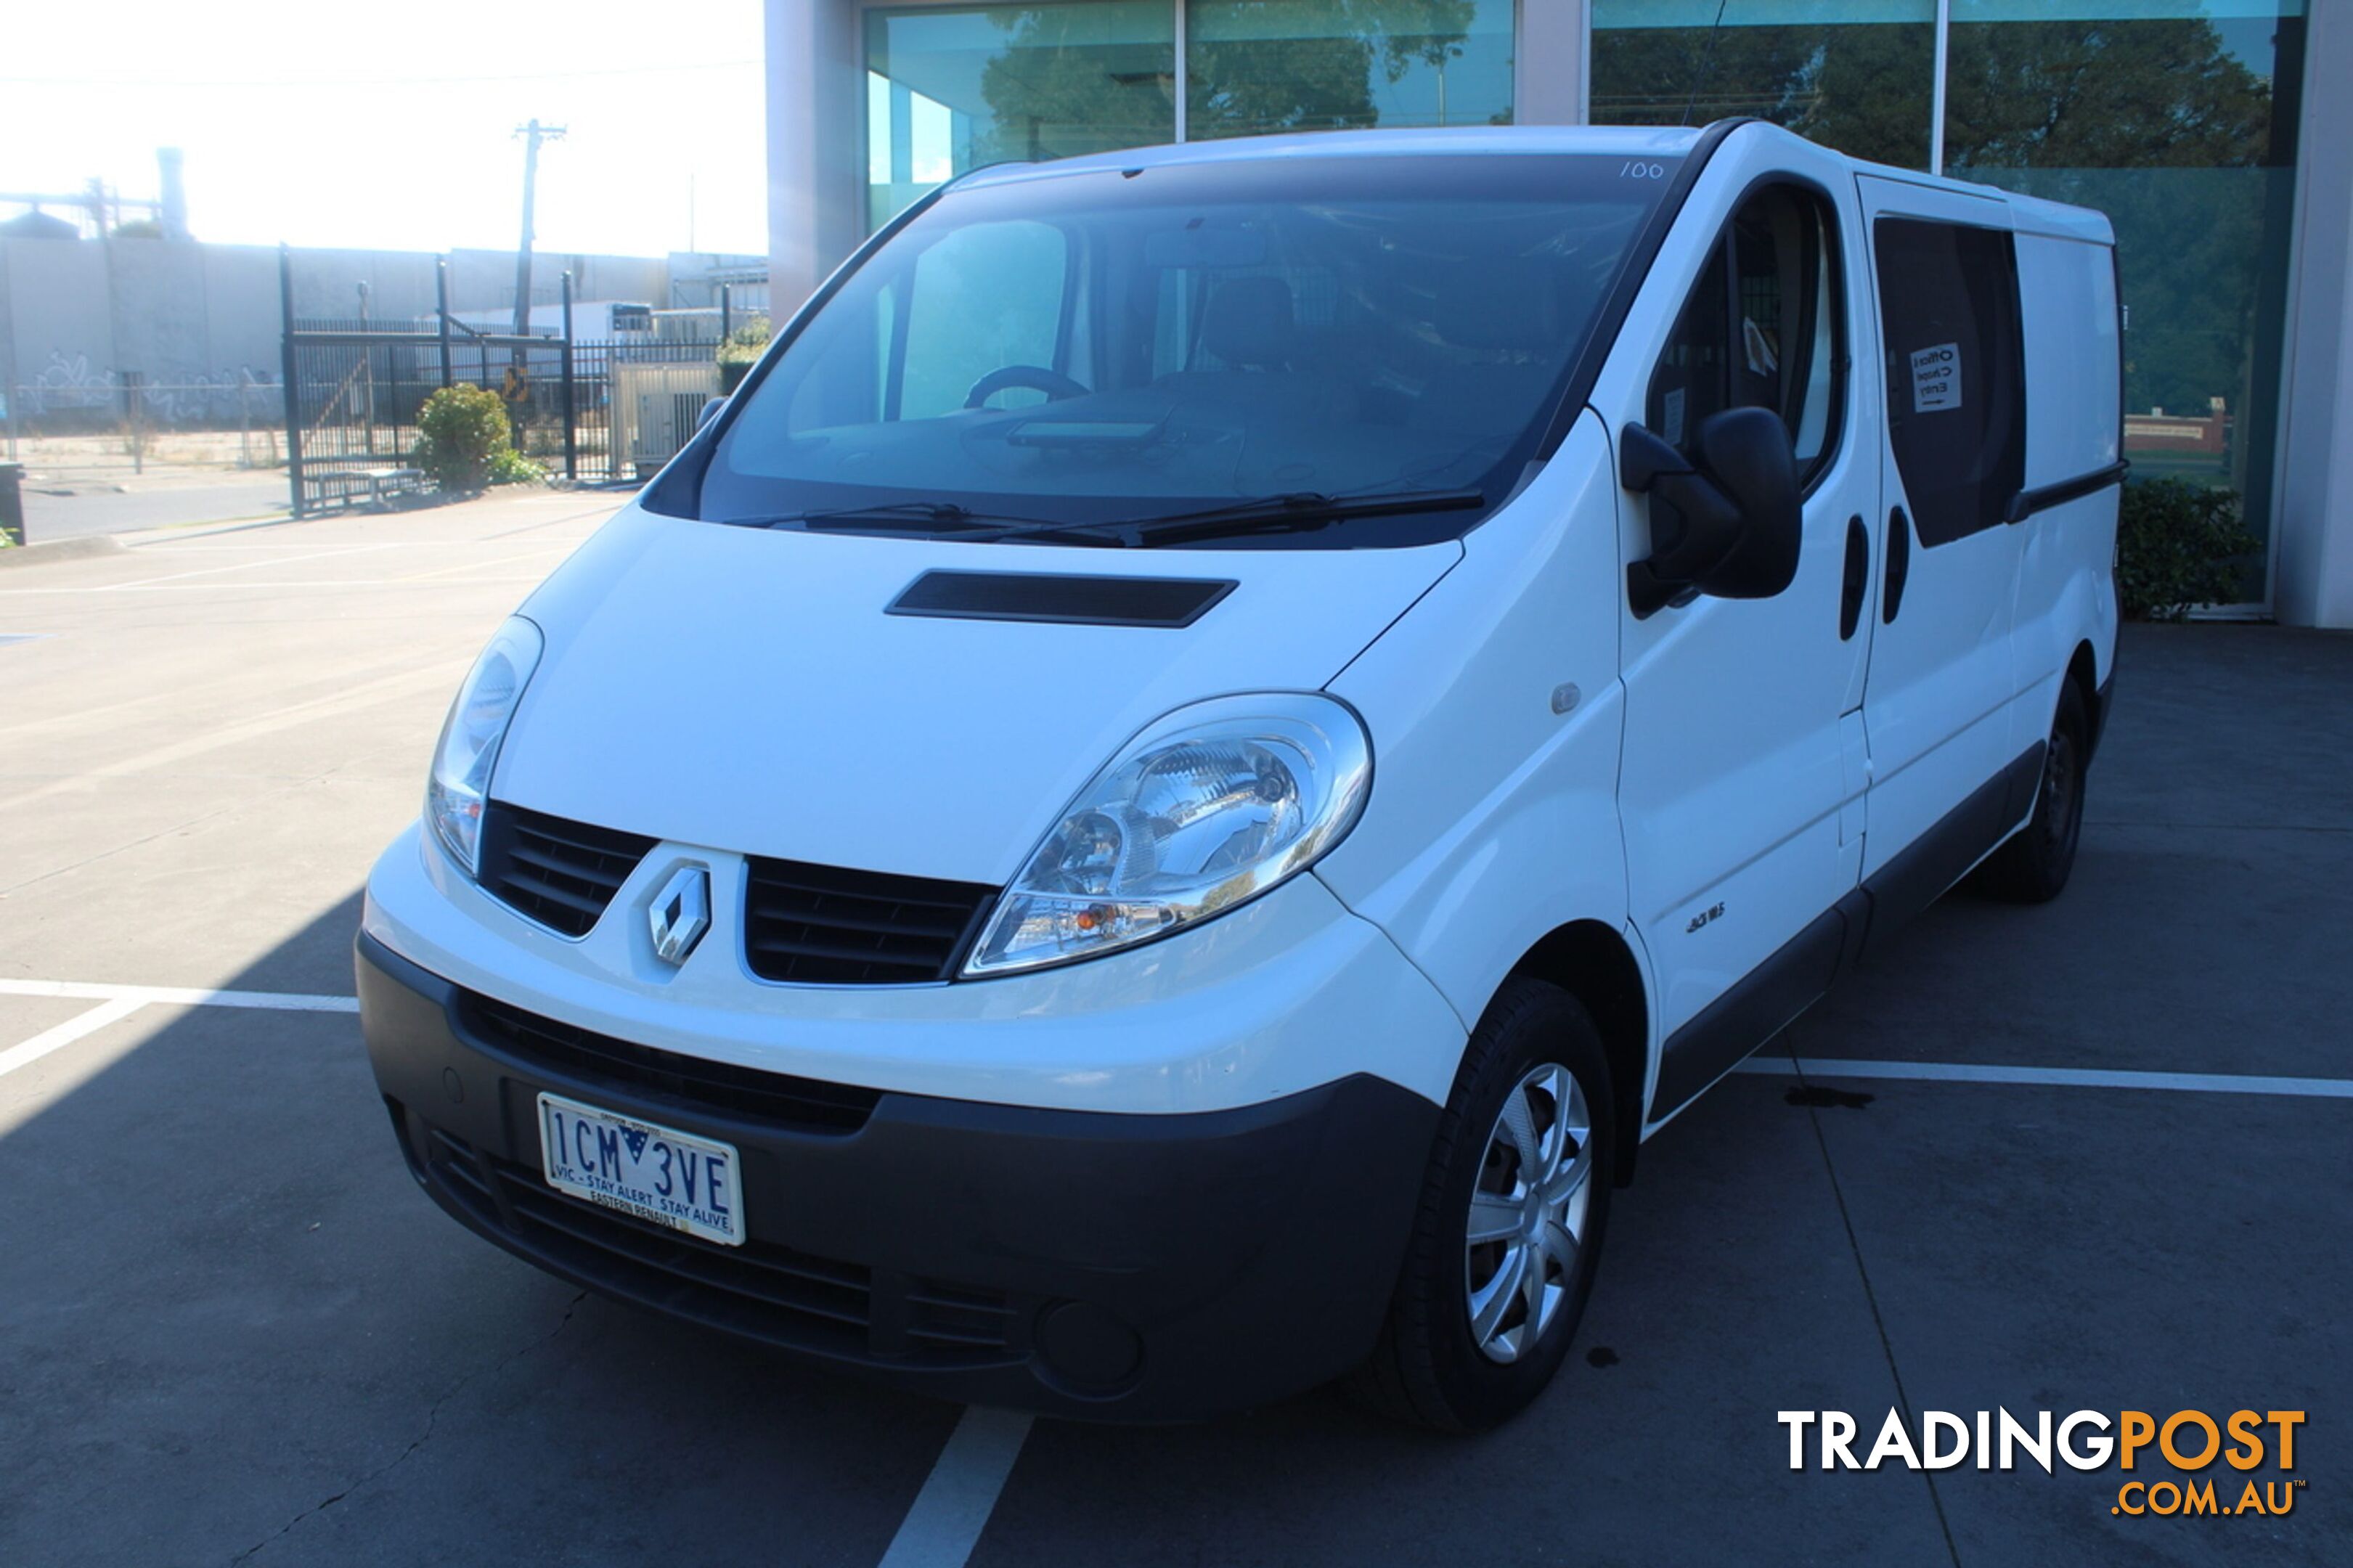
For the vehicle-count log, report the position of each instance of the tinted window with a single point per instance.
(1196, 336)
(1760, 329)
(1955, 371)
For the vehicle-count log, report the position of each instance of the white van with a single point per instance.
(1153, 810)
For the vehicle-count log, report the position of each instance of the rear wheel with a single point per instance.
(1510, 1225)
(2034, 867)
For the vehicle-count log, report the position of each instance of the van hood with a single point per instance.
(745, 690)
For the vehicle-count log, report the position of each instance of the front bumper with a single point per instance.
(1084, 1263)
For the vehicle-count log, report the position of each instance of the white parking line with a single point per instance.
(67, 1033)
(944, 1524)
(182, 996)
(2065, 1078)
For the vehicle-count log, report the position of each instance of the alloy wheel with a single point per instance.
(1528, 1213)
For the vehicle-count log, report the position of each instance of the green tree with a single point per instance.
(2157, 123)
(1861, 88)
(1060, 88)
(741, 350)
(1065, 83)
(1320, 78)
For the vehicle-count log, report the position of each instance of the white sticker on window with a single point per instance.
(1672, 413)
(1936, 378)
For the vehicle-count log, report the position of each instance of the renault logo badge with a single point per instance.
(680, 913)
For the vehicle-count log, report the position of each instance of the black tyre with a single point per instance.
(1510, 1224)
(2033, 866)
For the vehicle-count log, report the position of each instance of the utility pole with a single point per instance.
(533, 133)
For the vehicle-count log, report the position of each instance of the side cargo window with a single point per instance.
(1762, 329)
(1955, 371)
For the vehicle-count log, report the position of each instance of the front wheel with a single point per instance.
(1510, 1225)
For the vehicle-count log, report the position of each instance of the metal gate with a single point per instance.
(590, 411)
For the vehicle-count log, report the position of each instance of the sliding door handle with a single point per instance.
(1857, 575)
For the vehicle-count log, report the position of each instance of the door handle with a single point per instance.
(1899, 563)
(1858, 569)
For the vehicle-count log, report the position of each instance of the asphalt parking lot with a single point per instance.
(232, 1329)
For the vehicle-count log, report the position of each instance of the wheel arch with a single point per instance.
(2084, 673)
(1593, 962)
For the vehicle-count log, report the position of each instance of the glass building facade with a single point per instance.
(950, 87)
(2177, 118)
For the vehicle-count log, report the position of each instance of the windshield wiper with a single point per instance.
(915, 514)
(1298, 512)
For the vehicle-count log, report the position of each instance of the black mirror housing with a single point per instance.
(1728, 522)
(1747, 452)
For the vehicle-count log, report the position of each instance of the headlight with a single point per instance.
(1206, 809)
(478, 722)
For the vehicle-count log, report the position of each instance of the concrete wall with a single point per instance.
(197, 321)
(816, 117)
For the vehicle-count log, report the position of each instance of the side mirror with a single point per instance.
(1726, 521)
(709, 407)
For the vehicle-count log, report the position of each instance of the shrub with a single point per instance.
(465, 443)
(2178, 546)
(741, 352)
(508, 466)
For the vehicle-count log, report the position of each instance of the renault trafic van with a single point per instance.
(1153, 810)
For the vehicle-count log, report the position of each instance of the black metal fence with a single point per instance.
(598, 410)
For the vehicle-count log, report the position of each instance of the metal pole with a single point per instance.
(533, 134)
(571, 439)
(441, 311)
(1937, 94)
(1180, 85)
(727, 312)
(131, 400)
(289, 381)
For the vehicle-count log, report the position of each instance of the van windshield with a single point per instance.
(1283, 351)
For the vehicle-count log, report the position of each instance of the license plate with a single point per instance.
(672, 1178)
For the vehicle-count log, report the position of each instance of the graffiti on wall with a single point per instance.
(71, 386)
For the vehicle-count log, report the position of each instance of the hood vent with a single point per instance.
(1165, 602)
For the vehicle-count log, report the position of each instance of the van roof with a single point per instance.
(1629, 141)
(2031, 214)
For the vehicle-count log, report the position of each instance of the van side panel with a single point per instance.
(2066, 585)
(1494, 815)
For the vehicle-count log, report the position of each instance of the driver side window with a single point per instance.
(1762, 329)
(983, 297)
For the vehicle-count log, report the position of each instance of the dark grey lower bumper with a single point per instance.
(1085, 1263)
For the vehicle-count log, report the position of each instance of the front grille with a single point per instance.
(795, 1104)
(761, 1290)
(822, 925)
(561, 874)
